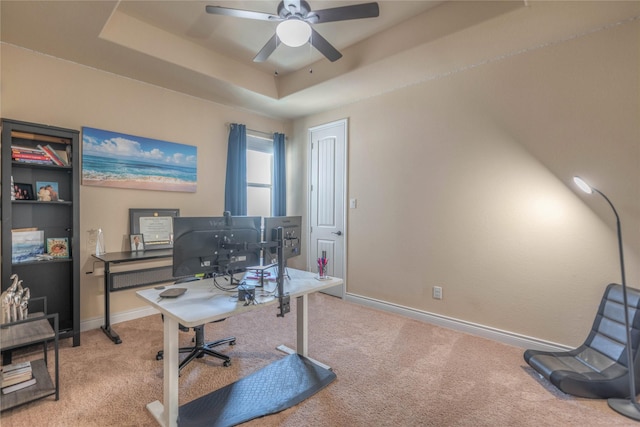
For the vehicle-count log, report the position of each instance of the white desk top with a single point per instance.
(203, 302)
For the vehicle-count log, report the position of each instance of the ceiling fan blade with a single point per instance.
(324, 46)
(267, 49)
(239, 13)
(343, 13)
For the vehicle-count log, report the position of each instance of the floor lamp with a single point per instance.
(628, 407)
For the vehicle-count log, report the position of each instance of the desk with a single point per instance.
(121, 258)
(203, 303)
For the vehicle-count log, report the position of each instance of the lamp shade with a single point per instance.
(582, 185)
(293, 32)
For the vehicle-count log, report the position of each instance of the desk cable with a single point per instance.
(227, 288)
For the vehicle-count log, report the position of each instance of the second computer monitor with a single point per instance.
(291, 233)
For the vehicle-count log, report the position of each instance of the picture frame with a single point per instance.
(26, 245)
(119, 160)
(47, 191)
(137, 242)
(58, 247)
(23, 191)
(155, 226)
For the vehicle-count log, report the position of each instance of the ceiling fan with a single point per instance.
(296, 18)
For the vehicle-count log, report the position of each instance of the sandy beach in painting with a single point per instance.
(189, 187)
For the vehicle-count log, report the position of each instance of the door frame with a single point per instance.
(345, 167)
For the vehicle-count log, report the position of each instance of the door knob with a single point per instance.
(338, 233)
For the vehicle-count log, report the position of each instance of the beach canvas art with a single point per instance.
(26, 245)
(112, 159)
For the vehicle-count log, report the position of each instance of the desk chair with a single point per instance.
(200, 347)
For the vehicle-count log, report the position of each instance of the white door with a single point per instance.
(327, 210)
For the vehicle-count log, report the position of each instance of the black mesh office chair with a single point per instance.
(598, 368)
(200, 347)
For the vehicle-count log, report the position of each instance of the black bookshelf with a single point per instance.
(57, 279)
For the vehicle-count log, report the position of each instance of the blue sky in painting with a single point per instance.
(101, 143)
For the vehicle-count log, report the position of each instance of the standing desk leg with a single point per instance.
(302, 326)
(106, 328)
(302, 345)
(167, 414)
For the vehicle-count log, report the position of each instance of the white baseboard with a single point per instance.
(505, 337)
(114, 318)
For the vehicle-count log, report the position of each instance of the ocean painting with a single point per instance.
(26, 246)
(111, 159)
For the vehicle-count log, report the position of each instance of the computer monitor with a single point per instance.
(215, 245)
(291, 233)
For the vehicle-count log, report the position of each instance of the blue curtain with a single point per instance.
(279, 194)
(235, 193)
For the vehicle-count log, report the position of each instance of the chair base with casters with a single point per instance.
(201, 348)
(598, 368)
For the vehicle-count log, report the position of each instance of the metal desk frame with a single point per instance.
(123, 258)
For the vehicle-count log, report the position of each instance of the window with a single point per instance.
(259, 174)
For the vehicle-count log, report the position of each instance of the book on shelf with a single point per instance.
(29, 155)
(19, 386)
(7, 369)
(16, 373)
(34, 162)
(24, 149)
(16, 378)
(50, 152)
(64, 156)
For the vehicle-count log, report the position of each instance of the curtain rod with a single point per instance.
(270, 135)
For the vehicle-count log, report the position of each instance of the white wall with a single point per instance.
(463, 180)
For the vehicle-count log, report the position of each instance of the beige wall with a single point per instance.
(464, 180)
(41, 89)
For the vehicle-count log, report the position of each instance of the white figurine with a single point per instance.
(5, 303)
(14, 302)
(24, 303)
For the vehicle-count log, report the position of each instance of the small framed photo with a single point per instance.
(58, 247)
(23, 191)
(47, 191)
(137, 242)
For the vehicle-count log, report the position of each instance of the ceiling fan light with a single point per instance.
(293, 32)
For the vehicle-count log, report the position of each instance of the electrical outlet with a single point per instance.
(437, 292)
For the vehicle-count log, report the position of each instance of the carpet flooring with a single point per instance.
(391, 371)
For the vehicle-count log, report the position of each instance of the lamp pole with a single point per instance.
(628, 407)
